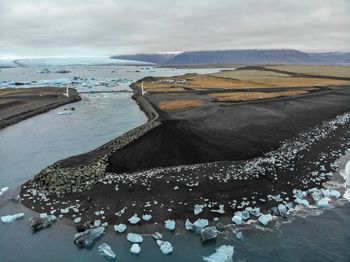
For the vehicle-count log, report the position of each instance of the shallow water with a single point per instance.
(31, 145)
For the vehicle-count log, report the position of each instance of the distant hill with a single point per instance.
(249, 56)
(150, 58)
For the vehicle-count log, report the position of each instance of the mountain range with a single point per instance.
(248, 56)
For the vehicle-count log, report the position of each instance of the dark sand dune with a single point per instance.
(231, 132)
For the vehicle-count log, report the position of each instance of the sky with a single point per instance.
(44, 28)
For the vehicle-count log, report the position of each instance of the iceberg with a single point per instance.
(299, 193)
(106, 251)
(239, 235)
(120, 228)
(323, 203)
(11, 218)
(223, 253)
(41, 222)
(165, 247)
(282, 210)
(77, 220)
(88, 237)
(170, 224)
(188, 225)
(265, 219)
(3, 190)
(198, 209)
(134, 238)
(66, 112)
(157, 236)
(238, 220)
(147, 217)
(334, 193)
(199, 224)
(209, 233)
(254, 211)
(325, 192)
(300, 201)
(220, 210)
(316, 195)
(97, 223)
(134, 219)
(135, 249)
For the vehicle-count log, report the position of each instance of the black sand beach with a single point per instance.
(17, 104)
(231, 154)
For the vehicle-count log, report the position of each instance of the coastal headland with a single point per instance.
(223, 142)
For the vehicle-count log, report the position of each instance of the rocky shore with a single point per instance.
(210, 162)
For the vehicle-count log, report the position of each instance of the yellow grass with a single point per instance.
(237, 79)
(248, 96)
(341, 71)
(180, 104)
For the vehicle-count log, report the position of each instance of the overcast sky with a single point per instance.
(107, 27)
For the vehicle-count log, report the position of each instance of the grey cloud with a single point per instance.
(105, 27)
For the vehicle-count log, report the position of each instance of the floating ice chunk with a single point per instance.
(334, 193)
(11, 218)
(157, 236)
(238, 220)
(199, 224)
(66, 112)
(77, 220)
(147, 217)
(282, 210)
(135, 249)
(326, 192)
(64, 210)
(323, 203)
(88, 237)
(220, 210)
(3, 190)
(209, 233)
(134, 238)
(120, 228)
(134, 219)
(316, 195)
(239, 235)
(165, 247)
(254, 211)
(301, 201)
(97, 223)
(170, 224)
(106, 250)
(265, 219)
(188, 225)
(289, 205)
(299, 193)
(198, 209)
(223, 253)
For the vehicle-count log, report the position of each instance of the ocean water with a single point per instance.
(29, 146)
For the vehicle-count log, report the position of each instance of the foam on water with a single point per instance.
(346, 175)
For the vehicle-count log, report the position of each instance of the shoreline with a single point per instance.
(135, 189)
(34, 102)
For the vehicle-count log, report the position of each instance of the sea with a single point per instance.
(310, 234)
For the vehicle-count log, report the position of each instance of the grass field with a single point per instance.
(340, 71)
(243, 78)
(180, 104)
(216, 86)
(249, 96)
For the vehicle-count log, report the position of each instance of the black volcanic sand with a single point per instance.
(21, 103)
(233, 154)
